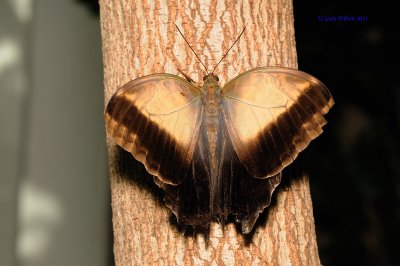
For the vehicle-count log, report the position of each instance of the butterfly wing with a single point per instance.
(272, 114)
(198, 201)
(157, 119)
(239, 194)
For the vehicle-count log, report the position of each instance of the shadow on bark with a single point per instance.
(291, 174)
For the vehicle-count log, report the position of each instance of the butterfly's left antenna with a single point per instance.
(191, 48)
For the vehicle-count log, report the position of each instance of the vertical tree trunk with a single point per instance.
(139, 38)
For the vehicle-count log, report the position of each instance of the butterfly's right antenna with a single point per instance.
(237, 39)
(191, 48)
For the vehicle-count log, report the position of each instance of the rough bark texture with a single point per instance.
(139, 38)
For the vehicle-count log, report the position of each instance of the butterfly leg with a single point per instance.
(187, 77)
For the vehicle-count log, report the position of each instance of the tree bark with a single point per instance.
(140, 38)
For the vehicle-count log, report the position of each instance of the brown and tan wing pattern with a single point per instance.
(157, 118)
(272, 114)
(237, 194)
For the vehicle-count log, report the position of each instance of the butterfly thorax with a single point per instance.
(211, 97)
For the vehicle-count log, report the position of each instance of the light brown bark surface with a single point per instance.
(139, 38)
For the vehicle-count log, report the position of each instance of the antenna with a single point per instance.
(191, 48)
(240, 35)
(237, 39)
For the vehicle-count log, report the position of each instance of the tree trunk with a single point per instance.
(140, 38)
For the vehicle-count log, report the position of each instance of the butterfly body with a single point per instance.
(211, 99)
(218, 152)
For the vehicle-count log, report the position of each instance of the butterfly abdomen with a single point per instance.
(211, 120)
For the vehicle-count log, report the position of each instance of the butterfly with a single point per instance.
(218, 152)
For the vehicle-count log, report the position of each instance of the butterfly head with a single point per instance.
(211, 86)
(211, 77)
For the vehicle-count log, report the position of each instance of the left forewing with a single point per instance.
(157, 119)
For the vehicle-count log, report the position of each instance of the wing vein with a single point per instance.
(256, 105)
(174, 111)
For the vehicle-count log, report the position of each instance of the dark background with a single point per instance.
(355, 165)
